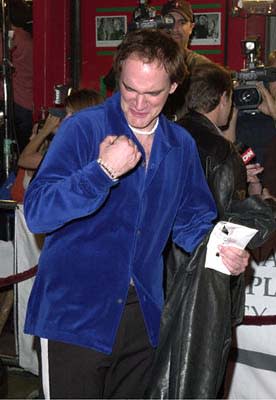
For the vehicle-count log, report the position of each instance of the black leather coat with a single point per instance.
(202, 305)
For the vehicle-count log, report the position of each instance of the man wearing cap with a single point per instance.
(183, 15)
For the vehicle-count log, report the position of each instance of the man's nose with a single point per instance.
(140, 101)
(176, 27)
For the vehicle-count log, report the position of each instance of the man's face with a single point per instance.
(272, 89)
(202, 20)
(272, 85)
(144, 90)
(182, 29)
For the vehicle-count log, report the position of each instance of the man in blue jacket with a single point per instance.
(116, 181)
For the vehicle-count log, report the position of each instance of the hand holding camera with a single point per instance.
(268, 104)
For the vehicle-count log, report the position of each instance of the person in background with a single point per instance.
(197, 364)
(22, 70)
(213, 29)
(261, 177)
(105, 29)
(82, 98)
(181, 32)
(208, 104)
(269, 175)
(41, 137)
(118, 31)
(114, 183)
(256, 130)
(183, 28)
(201, 27)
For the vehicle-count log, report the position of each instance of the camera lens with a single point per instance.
(249, 96)
(246, 97)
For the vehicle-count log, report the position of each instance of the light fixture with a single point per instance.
(263, 7)
(251, 49)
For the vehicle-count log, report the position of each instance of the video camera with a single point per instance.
(146, 17)
(246, 95)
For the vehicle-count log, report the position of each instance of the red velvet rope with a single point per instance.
(16, 278)
(22, 276)
(259, 320)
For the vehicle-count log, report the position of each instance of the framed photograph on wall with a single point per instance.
(110, 30)
(207, 30)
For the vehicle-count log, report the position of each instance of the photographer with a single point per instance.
(257, 130)
(193, 368)
(269, 178)
(181, 32)
(22, 71)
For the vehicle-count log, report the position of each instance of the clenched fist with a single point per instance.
(119, 153)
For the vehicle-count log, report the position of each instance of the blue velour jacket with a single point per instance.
(102, 233)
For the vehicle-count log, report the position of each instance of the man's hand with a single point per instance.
(267, 195)
(268, 105)
(119, 153)
(236, 260)
(255, 186)
(51, 124)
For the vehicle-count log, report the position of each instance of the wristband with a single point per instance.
(107, 169)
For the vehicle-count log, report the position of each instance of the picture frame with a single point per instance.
(207, 29)
(110, 30)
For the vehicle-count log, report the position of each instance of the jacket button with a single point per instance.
(119, 301)
(138, 231)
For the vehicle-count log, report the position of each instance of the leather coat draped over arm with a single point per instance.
(202, 305)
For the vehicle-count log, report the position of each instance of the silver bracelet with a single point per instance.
(107, 169)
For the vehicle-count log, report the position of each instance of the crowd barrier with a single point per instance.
(18, 267)
(251, 372)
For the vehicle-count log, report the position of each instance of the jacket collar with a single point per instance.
(117, 125)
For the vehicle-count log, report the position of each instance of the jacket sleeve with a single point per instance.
(197, 210)
(69, 183)
(227, 182)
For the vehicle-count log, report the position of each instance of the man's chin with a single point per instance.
(139, 124)
(177, 38)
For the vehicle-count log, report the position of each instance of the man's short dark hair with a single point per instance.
(207, 83)
(151, 45)
(20, 13)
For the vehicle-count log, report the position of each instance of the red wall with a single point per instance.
(98, 60)
(52, 41)
(51, 50)
(240, 28)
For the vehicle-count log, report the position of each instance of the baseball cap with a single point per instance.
(181, 7)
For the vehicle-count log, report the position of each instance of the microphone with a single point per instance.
(247, 155)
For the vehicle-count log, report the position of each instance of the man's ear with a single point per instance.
(173, 87)
(224, 98)
(192, 25)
